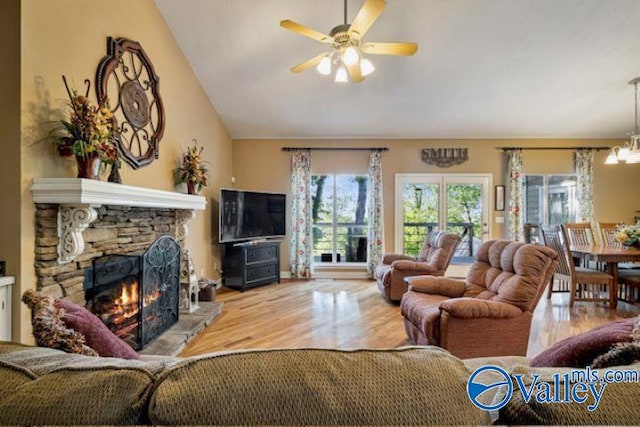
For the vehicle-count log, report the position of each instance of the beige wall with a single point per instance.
(9, 137)
(261, 165)
(69, 37)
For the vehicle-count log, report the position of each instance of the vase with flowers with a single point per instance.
(629, 235)
(86, 134)
(192, 170)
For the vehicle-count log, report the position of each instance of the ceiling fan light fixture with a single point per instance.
(350, 56)
(366, 67)
(341, 74)
(324, 66)
(347, 48)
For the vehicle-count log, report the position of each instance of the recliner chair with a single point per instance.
(434, 258)
(489, 313)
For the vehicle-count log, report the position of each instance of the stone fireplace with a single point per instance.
(86, 227)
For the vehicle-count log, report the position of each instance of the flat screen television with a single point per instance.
(251, 215)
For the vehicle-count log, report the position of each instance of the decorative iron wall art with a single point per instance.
(444, 157)
(126, 78)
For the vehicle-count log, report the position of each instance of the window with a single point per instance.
(456, 203)
(339, 218)
(548, 199)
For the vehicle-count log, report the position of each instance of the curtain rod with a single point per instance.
(553, 148)
(336, 148)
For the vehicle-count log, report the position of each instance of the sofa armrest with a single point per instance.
(415, 267)
(473, 308)
(390, 258)
(438, 285)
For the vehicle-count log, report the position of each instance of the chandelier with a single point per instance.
(630, 151)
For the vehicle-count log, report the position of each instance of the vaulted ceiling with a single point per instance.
(484, 68)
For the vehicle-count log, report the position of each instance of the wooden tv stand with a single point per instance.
(245, 265)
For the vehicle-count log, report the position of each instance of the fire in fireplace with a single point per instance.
(136, 296)
(118, 307)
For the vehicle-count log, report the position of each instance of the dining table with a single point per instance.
(611, 255)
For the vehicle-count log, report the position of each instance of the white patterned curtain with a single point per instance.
(301, 248)
(514, 170)
(584, 189)
(374, 212)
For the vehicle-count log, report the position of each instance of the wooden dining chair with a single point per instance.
(531, 233)
(628, 272)
(557, 284)
(584, 283)
(608, 232)
(581, 233)
(629, 285)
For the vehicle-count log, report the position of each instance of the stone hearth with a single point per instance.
(175, 339)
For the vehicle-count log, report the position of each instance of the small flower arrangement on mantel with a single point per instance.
(629, 235)
(86, 134)
(191, 169)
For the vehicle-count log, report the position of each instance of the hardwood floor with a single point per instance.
(553, 320)
(316, 313)
(353, 314)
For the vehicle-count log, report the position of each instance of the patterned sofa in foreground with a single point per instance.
(406, 386)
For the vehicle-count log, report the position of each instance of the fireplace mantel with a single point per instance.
(78, 191)
(78, 199)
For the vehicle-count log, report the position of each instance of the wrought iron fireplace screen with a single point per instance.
(161, 287)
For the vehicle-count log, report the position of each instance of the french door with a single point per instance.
(452, 202)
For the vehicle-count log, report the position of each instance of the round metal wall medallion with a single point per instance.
(134, 104)
(126, 79)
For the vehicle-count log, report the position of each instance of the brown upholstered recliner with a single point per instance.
(434, 258)
(489, 313)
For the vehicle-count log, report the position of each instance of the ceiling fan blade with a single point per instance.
(355, 74)
(305, 31)
(366, 16)
(392, 48)
(308, 64)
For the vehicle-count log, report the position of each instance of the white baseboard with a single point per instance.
(340, 275)
(328, 274)
(357, 272)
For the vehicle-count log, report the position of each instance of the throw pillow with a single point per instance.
(48, 328)
(624, 353)
(98, 336)
(580, 351)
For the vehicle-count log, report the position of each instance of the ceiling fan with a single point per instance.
(346, 45)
